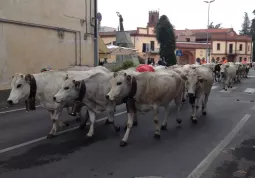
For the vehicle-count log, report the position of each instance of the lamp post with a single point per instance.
(207, 35)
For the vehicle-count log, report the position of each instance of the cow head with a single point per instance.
(20, 89)
(223, 69)
(121, 86)
(194, 82)
(68, 92)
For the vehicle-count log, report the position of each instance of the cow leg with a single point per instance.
(135, 122)
(156, 122)
(167, 112)
(178, 104)
(92, 118)
(204, 105)
(129, 126)
(194, 111)
(84, 120)
(111, 119)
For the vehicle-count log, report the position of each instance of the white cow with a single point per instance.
(199, 84)
(146, 91)
(228, 71)
(42, 87)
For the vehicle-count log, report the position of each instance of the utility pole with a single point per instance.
(207, 33)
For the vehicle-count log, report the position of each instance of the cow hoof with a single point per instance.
(78, 119)
(49, 136)
(125, 128)
(117, 128)
(183, 100)
(225, 89)
(89, 136)
(194, 121)
(157, 136)
(204, 113)
(179, 121)
(191, 117)
(123, 143)
(107, 122)
(66, 124)
(164, 127)
(135, 123)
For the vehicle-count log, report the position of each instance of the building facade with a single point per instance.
(192, 42)
(36, 34)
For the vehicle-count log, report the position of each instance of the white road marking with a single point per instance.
(252, 76)
(204, 165)
(249, 90)
(45, 137)
(228, 90)
(15, 110)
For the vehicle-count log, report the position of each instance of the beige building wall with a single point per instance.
(29, 37)
(222, 49)
(249, 48)
(234, 46)
(241, 48)
(200, 53)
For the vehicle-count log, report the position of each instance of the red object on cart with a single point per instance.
(145, 68)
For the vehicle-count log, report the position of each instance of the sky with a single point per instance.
(190, 14)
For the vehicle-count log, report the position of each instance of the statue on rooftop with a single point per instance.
(121, 27)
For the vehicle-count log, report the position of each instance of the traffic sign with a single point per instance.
(178, 53)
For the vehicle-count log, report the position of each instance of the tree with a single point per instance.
(214, 26)
(167, 40)
(252, 33)
(246, 25)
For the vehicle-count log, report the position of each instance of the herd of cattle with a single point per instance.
(100, 90)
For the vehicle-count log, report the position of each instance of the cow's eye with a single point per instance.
(19, 85)
(119, 83)
(66, 88)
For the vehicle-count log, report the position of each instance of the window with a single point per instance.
(152, 45)
(218, 46)
(230, 48)
(248, 47)
(240, 47)
(188, 39)
(144, 48)
(240, 59)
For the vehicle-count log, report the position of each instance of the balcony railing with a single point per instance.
(235, 52)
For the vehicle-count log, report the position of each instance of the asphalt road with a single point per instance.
(221, 145)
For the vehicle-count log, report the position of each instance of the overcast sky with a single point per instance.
(191, 14)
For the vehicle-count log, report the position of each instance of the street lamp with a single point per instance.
(207, 35)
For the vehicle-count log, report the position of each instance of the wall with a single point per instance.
(27, 49)
(222, 47)
(234, 46)
(200, 53)
(243, 51)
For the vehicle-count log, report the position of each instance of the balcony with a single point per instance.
(155, 51)
(234, 52)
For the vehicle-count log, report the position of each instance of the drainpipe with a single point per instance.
(96, 56)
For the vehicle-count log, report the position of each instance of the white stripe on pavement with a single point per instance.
(14, 110)
(204, 165)
(45, 137)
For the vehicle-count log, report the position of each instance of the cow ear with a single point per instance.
(22, 76)
(129, 78)
(77, 84)
(125, 74)
(115, 74)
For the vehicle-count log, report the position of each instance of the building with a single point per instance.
(107, 29)
(193, 42)
(36, 34)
